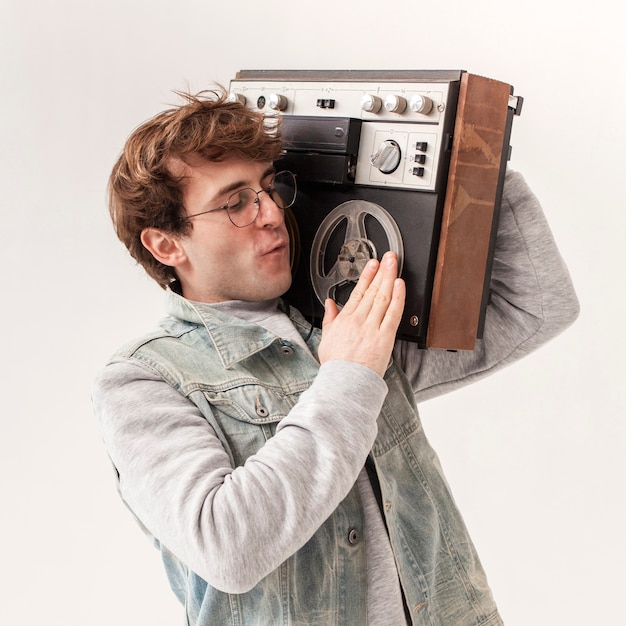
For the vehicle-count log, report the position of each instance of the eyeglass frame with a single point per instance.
(269, 191)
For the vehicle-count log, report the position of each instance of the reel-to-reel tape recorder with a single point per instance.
(411, 161)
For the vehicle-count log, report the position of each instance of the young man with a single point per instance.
(283, 471)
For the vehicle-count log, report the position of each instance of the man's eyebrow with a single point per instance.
(242, 183)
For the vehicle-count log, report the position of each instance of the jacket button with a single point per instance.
(286, 350)
(260, 410)
(353, 536)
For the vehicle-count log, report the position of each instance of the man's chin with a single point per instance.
(283, 287)
(269, 291)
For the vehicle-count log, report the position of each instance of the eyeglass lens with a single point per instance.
(283, 189)
(243, 206)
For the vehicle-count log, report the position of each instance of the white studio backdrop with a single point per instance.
(535, 454)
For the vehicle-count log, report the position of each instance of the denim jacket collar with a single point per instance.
(234, 339)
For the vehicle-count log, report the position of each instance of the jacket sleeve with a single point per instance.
(532, 300)
(233, 526)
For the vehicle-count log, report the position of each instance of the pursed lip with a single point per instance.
(279, 246)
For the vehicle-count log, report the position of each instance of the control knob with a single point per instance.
(387, 157)
(371, 103)
(277, 101)
(395, 104)
(421, 104)
(236, 97)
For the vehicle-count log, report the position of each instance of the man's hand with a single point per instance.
(364, 330)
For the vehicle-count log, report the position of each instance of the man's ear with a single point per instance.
(163, 246)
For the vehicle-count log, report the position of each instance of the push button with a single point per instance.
(325, 103)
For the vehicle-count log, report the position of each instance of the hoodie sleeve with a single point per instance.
(233, 526)
(532, 300)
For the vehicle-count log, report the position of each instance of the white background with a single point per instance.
(535, 454)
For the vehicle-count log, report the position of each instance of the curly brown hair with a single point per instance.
(144, 193)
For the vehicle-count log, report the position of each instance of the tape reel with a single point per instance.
(349, 236)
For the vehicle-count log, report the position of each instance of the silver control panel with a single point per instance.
(402, 130)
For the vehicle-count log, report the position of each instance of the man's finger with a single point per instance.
(379, 293)
(393, 313)
(365, 280)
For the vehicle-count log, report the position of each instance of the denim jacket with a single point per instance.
(244, 381)
(260, 380)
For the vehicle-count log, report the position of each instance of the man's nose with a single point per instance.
(270, 214)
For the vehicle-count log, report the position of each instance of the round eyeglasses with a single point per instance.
(243, 206)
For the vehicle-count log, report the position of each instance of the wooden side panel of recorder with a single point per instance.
(478, 159)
